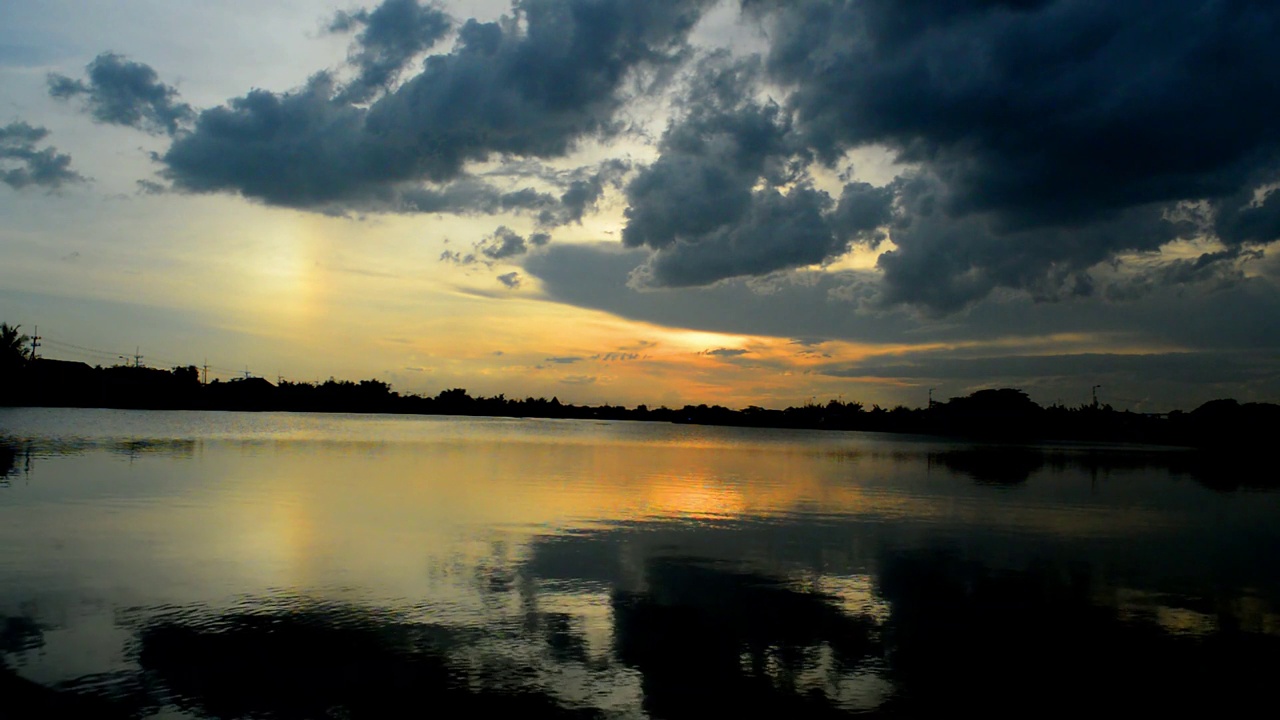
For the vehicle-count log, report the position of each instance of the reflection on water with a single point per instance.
(293, 566)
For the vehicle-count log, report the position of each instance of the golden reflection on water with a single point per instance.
(441, 520)
(307, 503)
(573, 533)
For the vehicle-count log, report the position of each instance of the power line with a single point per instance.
(64, 347)
(81, 348)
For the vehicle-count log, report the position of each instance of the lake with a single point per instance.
(231, 565)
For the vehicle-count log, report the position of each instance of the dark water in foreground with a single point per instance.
(307, 566)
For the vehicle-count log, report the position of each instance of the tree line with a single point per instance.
(998, 414)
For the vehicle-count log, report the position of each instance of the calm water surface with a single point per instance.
(329, 566)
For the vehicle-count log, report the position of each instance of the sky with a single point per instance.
(741, 202)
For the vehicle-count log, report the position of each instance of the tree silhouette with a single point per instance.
(12, 362)
(11, 346)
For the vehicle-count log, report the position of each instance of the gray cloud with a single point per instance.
(583, 192)
(725, 352)
(616, 357)
(595, 277)
(391, 35)
(512, 281)
(1043, 138)
(23, 165)
(567, 360)
(1200, 316)
(531, 88)
(1126, 380)
(944, 262)
(1204, 367)
(123, 92)
(713, 205)
(1219, 270)
(469, 196)
(1232, 334)
(503, 244)
(1054, 134)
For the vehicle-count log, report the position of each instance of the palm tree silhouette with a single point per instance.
(11, 345)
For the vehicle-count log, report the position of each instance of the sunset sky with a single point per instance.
(736, 202)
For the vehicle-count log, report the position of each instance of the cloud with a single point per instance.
(568, 360)
(468, 196)
(582, 193)
(532, 86)
(616, 357)
(1188, 367)
(23, 165)
(579, 380)
(391, 35)
(511, 280)
(728, 197)
(1035, 142)
(1198, 316)
(1219, 270)
(123, 92)
(1050, 135)
(725, 352)
(943, 262)
(503, 244)
(150, 187)
(595, 277)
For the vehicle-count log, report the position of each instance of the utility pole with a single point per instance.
(35, 341)
(137, 357)
(205, 381)
(1095, 395)
(246, 372)
(930, 397)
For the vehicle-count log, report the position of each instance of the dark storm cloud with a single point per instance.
(1240, 220)
(711, 207)
(1055, 134)
(123, 92)
(531, 88)
(944, 262)
(392, 35)
(1044, 111)
(815, 306)
(23, 165)
(299, 149)
(1045, 138)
